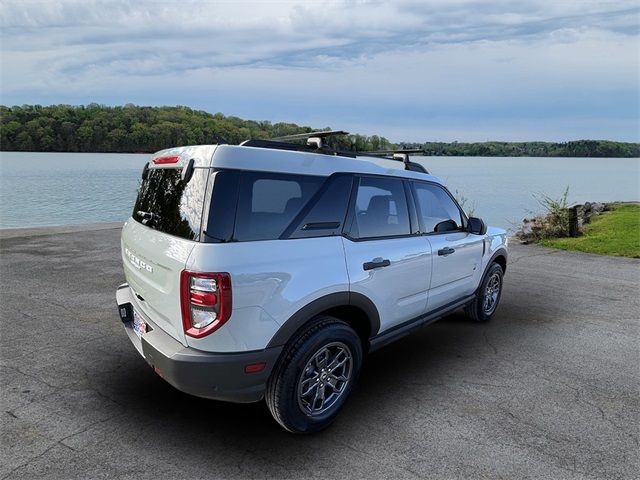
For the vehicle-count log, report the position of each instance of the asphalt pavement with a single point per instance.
(550, 388)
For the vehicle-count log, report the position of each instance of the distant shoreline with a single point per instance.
(131, 128)
(364, 153)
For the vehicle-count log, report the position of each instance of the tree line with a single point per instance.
(137, 129)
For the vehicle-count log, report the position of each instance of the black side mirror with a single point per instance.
(145, 171)
(446, 226)
(477, 226)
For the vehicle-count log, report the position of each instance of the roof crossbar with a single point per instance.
(404, 152)
(315, 144)
(295, 147)
(317, 133)
(402, 155)
(314, 139)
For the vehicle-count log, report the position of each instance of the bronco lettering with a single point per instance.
(136, 262)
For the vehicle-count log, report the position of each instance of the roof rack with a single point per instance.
(402, 155)
(276, 144)
(314, 139)
(316, 144)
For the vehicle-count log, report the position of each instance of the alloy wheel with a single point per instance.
(325, 378)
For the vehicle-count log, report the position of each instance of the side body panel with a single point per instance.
(271, 280)
(400, 290)
(495, 242)
(455, 275)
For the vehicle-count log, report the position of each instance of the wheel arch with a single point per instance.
(500, 257)
(358, 311)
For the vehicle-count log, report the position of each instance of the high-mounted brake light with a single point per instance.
(165, 160)
(205, 300)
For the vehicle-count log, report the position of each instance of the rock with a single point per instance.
(541, 226)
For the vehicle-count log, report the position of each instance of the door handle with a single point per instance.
(443, 252)
(376, 264)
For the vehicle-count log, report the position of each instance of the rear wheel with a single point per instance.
(315, 376)
(488, 297)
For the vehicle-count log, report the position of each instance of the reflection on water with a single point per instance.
(38, 189)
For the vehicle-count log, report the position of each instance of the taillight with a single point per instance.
(205, 299)
(167, 159)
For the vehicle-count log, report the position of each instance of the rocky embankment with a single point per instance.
(564, 222)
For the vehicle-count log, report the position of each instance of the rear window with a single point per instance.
(167, 204)
(268, 203)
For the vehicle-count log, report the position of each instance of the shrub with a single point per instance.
(555, 222)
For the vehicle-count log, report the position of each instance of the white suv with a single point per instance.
(270, 269)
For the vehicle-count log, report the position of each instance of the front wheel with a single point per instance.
(488, 297)
(315, 376)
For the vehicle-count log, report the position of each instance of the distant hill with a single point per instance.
(131, 128)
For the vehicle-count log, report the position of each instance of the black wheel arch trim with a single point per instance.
(333, 300)
(501, 252)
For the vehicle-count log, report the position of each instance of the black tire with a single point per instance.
(477, 310)
(283, 397)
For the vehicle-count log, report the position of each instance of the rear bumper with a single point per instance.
(219, 376)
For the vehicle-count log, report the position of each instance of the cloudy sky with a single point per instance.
(409, 70)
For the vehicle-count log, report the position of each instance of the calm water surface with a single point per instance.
(43, 189)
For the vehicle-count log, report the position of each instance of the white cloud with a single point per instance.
(404, 61)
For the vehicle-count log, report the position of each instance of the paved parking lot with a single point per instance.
(549, 389)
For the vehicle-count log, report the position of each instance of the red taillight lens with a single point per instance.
(203, 298)
(205, 301)
(164, 160)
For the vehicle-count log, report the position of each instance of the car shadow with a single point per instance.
(406, 380)
(392, 366)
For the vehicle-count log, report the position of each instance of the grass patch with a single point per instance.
(615, 232)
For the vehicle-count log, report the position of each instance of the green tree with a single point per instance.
(132, 128)
(24, 142)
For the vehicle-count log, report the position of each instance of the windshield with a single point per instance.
(167, 204)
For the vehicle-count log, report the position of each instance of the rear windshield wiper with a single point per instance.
(147, 217)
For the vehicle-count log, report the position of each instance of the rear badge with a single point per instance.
(136, 262)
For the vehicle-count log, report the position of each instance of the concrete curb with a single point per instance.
(40, 231)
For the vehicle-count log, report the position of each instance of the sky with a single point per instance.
(441, 70)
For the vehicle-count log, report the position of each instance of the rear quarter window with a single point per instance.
(268, 203)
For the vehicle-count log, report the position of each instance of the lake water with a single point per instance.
(43, 189)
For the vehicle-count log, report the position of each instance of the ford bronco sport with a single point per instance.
(269, 269)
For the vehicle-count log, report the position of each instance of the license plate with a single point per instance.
(139, 325)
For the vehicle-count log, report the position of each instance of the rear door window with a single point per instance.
(268, 203)
(380, 209)
(167, 204)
